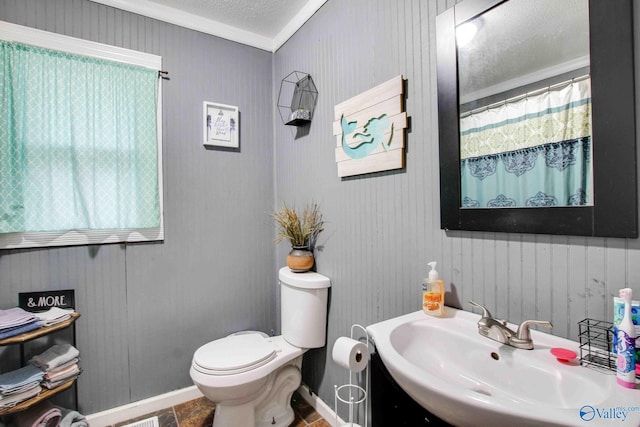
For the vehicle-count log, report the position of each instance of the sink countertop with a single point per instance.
(470, 380)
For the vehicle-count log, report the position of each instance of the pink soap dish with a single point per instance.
(563, 355)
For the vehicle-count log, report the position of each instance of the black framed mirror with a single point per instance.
(613, 211)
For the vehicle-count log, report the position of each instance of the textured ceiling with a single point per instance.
(524, 39)
(264, 17)
(265, 24)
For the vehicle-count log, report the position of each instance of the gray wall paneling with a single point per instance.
(146, 307)
(384, 227)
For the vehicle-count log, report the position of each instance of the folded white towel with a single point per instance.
(54, 315)
(55, 356)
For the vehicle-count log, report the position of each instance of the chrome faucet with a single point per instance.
(498, 330)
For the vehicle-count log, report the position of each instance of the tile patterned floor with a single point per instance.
(200, 412)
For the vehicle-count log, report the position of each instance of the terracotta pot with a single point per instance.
(300, 259)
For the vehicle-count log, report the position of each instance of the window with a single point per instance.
(80, 141)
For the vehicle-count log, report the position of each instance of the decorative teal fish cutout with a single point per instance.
(368, 141)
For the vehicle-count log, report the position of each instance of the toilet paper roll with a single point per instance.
(350, 354)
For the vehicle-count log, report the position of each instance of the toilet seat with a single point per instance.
(234, 354)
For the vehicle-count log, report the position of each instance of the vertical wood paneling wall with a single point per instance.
(383, 228)
(147, 307)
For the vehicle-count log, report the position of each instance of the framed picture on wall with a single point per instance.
(220, 125)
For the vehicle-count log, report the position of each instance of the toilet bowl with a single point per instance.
(251, 376)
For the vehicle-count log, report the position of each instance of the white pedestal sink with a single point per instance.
(469, 380)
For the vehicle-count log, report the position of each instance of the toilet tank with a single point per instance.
(303, 307)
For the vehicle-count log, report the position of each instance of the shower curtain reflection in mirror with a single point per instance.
(529, 151)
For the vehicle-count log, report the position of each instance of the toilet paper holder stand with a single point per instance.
(352, 394)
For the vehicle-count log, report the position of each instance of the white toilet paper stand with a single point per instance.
(353, 394)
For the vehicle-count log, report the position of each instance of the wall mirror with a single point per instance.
(542, 93)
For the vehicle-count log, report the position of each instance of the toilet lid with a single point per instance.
(234, 354)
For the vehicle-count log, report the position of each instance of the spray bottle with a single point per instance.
(625, 361)
(433, 293)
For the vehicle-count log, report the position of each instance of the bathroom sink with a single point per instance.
(470, 380)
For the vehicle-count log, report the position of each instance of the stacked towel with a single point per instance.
(59, 363)
(12, 400)
(61, 375)
(20, 385)
(13, 317)
(42, 415)
(54, 316)
(15, 321)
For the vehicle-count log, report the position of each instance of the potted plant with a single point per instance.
(301, 230)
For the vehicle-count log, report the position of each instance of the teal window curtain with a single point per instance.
(78, 142)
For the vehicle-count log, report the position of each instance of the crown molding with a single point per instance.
(216, 28)
(297, 22)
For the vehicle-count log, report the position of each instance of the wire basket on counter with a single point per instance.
(596, 344)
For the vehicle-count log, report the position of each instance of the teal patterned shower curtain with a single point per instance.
(78, 142)
(535, 151)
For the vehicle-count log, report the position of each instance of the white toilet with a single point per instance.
(251, 376)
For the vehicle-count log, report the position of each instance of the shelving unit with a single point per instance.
(32, 335)
(44, 395)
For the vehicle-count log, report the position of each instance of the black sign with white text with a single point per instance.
(43, 301)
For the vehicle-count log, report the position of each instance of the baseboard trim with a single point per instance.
(143, 407)
(320, 406)
(156, 403)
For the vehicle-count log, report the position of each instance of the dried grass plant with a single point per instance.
(299, 229)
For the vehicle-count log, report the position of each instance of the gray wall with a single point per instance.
(383, 228)
(146, 307)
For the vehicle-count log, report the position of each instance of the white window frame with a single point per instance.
(45, 39)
